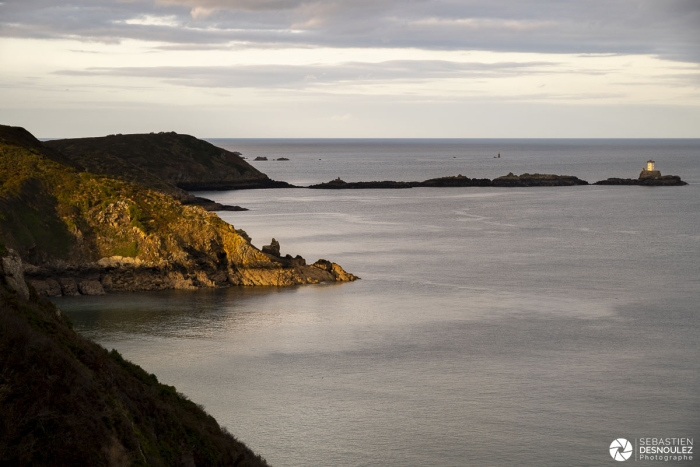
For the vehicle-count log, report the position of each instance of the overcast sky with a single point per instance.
(361, 68)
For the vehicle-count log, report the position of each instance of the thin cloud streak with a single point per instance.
(304, 76)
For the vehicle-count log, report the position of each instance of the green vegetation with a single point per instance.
(61, 218)
(163, 162)
(52, 211)
(91, 407)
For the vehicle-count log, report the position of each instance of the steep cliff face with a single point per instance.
(87, 233)
(65, 400)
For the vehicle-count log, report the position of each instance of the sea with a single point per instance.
(491, 326)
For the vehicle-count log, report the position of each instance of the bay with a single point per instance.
(491, 326)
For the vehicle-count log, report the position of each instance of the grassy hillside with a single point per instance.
(66, 401)
(87, 226)
(162, 161)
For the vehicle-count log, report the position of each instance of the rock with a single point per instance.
(339, 184)
(617, 181)
(12, 268)
(281, 159)
(68, 286)
(244, 234)
(47, 287)
(338, 273)
(341, 275)
(323, 264)
(458, 181)
(663, 180)
(210, 205)
(260, 158)
(649, 174)
(296, 261)
(91, 288)
(530, 180)
(272, 249)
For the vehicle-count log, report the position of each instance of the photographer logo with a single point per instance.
(621, 449)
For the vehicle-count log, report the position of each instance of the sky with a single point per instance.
(352, 68)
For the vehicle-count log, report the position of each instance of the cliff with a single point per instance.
(65, 400)
(86, 233)
(166, 162)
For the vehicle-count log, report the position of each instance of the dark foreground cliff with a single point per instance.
(66, 401)
(85, 233)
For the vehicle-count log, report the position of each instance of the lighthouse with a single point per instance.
(650, 171)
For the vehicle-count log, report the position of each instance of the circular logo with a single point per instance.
(620, 449)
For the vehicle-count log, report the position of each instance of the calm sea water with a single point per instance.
(490, 327)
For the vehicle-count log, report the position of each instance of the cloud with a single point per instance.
(670, 28)
(306, 76)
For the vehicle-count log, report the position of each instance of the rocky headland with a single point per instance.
(80, 232)
(65, 400)
(167, 162)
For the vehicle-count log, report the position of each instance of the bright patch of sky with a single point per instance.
(148, 20)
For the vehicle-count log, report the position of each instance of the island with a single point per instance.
(339, 184)
(510, 180)
(649, 176)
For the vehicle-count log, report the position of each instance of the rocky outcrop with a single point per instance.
(213, 270)
(12, 269)
(537, 180)
(234, 185)
(91, 287)
(339, 184)
(272, 249)
(334, 269)
(510, 180)
(210, 205)
(661, 180)
(458, 181)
